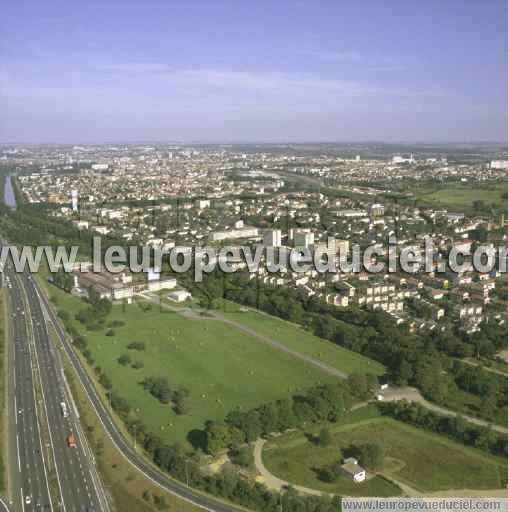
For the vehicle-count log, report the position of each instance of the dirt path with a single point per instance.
(270, 480)
(215, 315)
(275, 483)
(413, 395)
(486, 368)
(392, 394)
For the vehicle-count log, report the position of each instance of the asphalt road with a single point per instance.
(36, 364)
(124, 445)
(29, 479)
(78, 481)
(3, 506)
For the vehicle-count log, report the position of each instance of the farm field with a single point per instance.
(296, 338)
(424, 461)
(222, 368)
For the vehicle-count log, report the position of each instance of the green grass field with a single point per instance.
(223, 368)
(425, 461)
(461, 197)
(296, 338)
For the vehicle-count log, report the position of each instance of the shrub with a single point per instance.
(136, 345)
(124, 359)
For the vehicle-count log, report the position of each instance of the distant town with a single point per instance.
(167, 196)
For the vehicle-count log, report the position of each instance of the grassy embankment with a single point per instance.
(425, 461)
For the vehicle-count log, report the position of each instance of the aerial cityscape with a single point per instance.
(253, 257)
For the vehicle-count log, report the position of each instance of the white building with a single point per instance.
(74, 200)
(202, 203)
(303, 239)
(354, 470)
(377, 210)
(161, 284)
(499, 164)
(272, 238)
(179, 295)
(246, 232)
(399, 159)
(100, 167)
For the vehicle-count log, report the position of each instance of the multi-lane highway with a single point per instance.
(132, 456)
(49, 470)
(28, 477)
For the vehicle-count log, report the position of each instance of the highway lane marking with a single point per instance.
(44, 358)
(84, 452)
(19, 458)
(30, 336)
(84, 378)
(116, 431)
(4, 505)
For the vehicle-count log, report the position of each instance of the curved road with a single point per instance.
(411, 394)
(270, 480)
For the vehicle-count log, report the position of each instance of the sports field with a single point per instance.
(425, 461)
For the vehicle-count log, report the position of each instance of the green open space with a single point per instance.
(222, 367)
(297, 338)
(129, 488)
(461, 197)
(424, 461)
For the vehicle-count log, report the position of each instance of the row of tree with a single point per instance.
(327, 402)
(411, 358)
(455, 427)
(159, 388)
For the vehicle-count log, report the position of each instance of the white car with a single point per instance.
(28, 500)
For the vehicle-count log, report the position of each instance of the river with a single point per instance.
(9, 196)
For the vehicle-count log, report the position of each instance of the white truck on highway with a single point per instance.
(65, 412)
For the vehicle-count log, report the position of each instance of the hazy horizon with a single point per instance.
(230, 73)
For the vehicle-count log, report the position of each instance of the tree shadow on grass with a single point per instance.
(197, 438)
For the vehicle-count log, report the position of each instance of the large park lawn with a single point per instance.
(296, 338)
(461, 197)
(425, 461)
(223, 368)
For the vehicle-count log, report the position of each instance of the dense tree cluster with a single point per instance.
(35, 225)
(325, 402)
(159, 388)
(94, 316)
(330, 473)
(125, 360)
(136, 345)
(63, 280)
(242, 456)
(369, 455)
(230, 485)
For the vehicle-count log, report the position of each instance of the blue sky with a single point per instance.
(275, 71)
